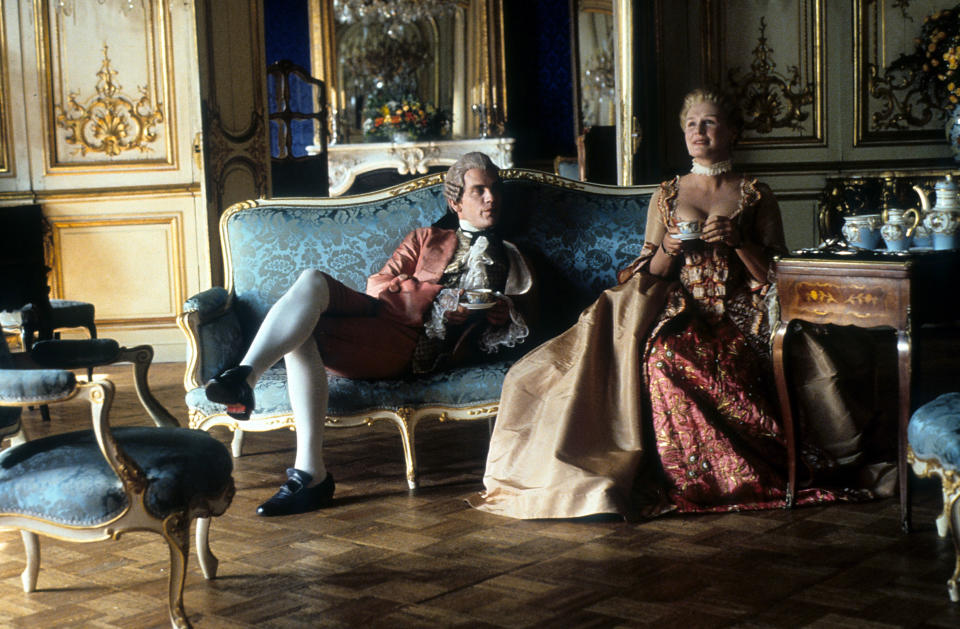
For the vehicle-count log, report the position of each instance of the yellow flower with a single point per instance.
(953, 99)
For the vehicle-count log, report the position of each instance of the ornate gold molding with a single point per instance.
(770, 99)
(6, 125)
(889, 104)
(110, 123)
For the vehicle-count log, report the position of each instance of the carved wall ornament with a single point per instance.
(904, 102)
(110, 123)
(770, 99)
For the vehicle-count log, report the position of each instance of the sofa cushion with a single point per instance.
(455, 388)
(65, 479)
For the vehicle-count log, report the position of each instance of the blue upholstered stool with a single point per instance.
(934, 449)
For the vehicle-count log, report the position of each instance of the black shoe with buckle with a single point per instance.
(231, 388)
(295, 497)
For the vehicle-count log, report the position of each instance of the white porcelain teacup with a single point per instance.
(479, 296)
(689, 229)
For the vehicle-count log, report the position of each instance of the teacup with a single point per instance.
(862, 230)
(689, 229)
(479, 295)
(944, 226)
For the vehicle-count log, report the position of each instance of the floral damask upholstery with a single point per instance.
(96, 484)
(582, 233)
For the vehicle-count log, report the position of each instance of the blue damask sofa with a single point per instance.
(576, 234)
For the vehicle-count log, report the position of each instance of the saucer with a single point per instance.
(470, 306)
(686, 236)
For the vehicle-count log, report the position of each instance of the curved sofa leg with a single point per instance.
(236, 446)
(406, 423)
(31, 546)
(176, 530)
(208, 561)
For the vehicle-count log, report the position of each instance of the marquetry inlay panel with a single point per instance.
(825, 291)
(771, 56)
(108, 86)
(890, 107)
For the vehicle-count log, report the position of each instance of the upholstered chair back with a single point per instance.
(9, 415)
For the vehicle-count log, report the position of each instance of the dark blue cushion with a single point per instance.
(75, 353)
(934, 431)
(65, 479)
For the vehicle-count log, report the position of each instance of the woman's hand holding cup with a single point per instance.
(718, 228)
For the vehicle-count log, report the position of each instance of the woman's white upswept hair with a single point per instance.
(453, 180)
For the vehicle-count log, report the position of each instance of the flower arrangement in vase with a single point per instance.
(404, 120)
(938, 57)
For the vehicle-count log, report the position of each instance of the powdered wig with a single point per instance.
(453, 181)
(728, 108)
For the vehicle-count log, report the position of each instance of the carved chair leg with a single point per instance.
(141, 356)
(236, 446)
(31, 546)
(943, 520)
(176, 530)
(953, 583)
(208, 561)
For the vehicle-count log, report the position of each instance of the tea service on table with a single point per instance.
(932, 227)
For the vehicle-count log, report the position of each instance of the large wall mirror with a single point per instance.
(444, 56)
(593, 60)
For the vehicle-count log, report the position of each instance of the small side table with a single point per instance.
(872, 291)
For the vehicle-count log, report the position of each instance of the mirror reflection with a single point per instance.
(595, 73)
(391, 60)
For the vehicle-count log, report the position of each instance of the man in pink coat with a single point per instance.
(418, 314)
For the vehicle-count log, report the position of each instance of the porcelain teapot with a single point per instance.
(898, 227)
(946, 191)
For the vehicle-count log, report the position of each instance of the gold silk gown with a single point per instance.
(657, 399)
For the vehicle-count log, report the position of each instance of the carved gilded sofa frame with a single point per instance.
(581, 231)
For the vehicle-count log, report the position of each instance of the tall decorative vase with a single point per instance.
(953, 132)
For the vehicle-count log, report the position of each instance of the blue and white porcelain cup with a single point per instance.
(944, 226)
(922, 237)
(862, 230)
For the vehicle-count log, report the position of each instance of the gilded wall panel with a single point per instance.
(138, 273)
(6, 145)
(107, 80)
(890, 105)
(771, 55)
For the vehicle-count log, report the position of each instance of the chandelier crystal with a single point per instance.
(367, 11)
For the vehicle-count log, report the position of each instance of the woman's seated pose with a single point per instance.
(411, 320)
(660, 397)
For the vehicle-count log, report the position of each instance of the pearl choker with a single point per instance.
(713, 169)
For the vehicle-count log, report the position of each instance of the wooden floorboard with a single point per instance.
(383, 557)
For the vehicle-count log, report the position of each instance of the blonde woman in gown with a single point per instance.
(659, 398)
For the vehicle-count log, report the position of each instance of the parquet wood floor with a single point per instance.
(382, 557)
